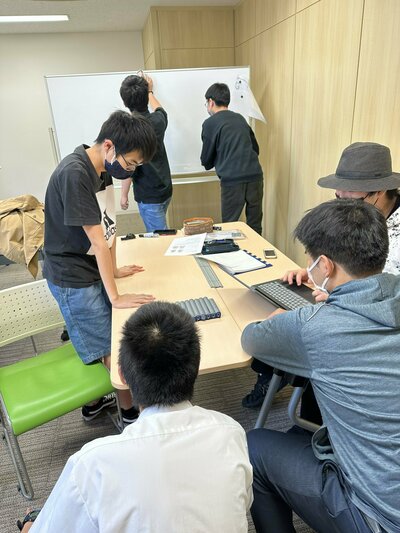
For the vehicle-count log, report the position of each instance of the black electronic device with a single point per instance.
(128, 237)
(269, 253)
(220, 246)
(165, 231)
(284, 295)
(281, 294)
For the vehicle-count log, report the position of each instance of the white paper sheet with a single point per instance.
(190, 245)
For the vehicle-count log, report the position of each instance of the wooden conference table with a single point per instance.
(180, 278)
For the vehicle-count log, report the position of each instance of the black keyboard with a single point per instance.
(284, 295)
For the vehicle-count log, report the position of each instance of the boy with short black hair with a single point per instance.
(230, 146)
(348, 347)
(179, 468)
(152, 185)
(79, 244)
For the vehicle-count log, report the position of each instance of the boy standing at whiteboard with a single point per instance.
(230, 146)
(79, 243)
(152, 185)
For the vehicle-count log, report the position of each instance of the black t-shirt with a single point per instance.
(229, 145)
(152, 181)
(76, 196)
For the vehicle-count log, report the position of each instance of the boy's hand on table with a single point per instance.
(127, 270)
(126, 301)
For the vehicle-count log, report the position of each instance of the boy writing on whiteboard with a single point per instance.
(152, 185)
(230, 146)
(79, 243)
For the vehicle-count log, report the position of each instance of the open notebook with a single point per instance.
(237, 262)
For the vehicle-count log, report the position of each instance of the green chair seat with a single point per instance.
(42, 388)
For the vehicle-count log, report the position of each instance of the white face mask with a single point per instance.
(318, 287)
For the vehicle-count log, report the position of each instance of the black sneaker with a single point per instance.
(129, 415)
(91, 411)
(256, 397)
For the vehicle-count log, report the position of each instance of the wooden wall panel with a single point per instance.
(198, 57)
(245, 55)
(147, 39)
(271, 12)
(273, 87)
(327, 39)
(377, 110)
(150, 63)
(270, 56)
(195, 200)
(245, 21)
(303, 4)
(195, 27)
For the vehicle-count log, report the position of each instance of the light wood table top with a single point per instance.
(180, 278)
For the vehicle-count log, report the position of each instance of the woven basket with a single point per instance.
(194, 226)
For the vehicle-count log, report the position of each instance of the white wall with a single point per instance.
(26, 156)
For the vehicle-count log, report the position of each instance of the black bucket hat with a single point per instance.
(363, 167)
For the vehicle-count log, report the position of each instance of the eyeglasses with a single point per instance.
(130, 166)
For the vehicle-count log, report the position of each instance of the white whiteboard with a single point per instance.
(81, 103)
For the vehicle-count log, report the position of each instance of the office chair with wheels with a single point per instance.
(41, 388)
(299, 385)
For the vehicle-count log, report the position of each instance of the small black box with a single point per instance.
(219, 247)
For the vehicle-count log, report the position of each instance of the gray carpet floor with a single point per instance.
(46, 449)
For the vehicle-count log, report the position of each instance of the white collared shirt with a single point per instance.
(180, 469)
(393, 259)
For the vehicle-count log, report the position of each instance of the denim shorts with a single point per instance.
(87, 315)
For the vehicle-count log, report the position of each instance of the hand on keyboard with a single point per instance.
(299, 276)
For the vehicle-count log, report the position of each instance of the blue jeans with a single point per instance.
(154, 215)
(87, 315)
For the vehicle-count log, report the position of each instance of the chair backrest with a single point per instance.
(26, 310)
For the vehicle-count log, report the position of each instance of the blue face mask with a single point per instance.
(116, 170)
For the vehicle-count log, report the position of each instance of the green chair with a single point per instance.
(36, 390)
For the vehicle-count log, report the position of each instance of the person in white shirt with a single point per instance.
(179, 469)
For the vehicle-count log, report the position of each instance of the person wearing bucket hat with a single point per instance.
(364, 172)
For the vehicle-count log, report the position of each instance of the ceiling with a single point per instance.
(89, 15)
